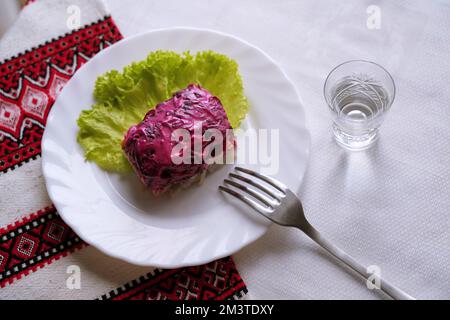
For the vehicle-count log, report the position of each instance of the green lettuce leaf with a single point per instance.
(123, 98)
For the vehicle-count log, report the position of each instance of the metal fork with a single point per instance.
(277, 203)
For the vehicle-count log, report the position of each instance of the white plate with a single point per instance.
(116, 214)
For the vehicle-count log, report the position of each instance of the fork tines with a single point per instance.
(267, 197)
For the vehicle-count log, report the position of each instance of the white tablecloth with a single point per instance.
(387, 207)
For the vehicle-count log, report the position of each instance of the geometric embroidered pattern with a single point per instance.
(30, 83)
(218, 280)
(43, 237)
(33, 242)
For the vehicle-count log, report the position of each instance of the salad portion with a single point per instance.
(151, 148)
(169, 91)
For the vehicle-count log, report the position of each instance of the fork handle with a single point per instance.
(386, 287)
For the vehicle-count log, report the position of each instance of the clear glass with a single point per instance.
(359, 94)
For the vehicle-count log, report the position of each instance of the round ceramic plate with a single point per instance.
(116, 214)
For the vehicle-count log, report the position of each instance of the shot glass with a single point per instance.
(359, 94)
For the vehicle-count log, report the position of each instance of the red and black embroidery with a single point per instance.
(30, 83)
(31, 243)
(218, 280)
(43, 237)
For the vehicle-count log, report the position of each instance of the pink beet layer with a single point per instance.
(148, 145)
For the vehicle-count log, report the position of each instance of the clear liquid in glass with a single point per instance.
(359, 103)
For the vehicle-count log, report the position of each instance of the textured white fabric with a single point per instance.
(30, 31)
(388, 206)
(8, 13)
(23, 192)
(99, 274)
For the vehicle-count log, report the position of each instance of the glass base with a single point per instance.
(352, 142)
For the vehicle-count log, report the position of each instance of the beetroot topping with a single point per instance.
(148, 145)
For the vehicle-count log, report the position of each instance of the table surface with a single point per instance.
(388, 206)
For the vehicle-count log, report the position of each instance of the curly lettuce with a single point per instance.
(123, 98)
